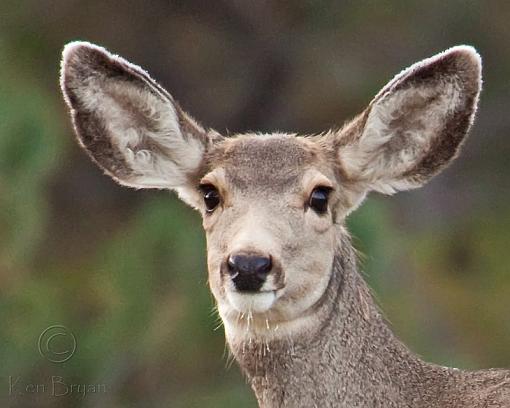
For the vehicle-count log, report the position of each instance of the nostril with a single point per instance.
(262, 265)
(232, 263)
(249, 264)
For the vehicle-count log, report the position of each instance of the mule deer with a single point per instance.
(298, 317)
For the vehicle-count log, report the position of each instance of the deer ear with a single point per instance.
(130, 126)
(415, 125)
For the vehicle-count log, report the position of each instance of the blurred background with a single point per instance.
(125, 272)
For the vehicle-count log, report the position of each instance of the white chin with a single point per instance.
(259, 302)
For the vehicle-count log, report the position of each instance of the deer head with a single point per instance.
(273, 205)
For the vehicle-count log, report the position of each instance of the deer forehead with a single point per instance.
(268, 163)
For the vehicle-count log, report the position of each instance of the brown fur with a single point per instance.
(312, 336)
(354, 360)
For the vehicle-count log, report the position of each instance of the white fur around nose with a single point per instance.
(253, 234)
(259, 302)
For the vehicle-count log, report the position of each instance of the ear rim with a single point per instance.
(462, 61)
(469, 62)
(78, 53)
(460, 53)
(72, 48)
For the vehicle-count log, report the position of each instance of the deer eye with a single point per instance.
(211, 197)
(318, 200)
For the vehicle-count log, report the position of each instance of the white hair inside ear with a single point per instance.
(429, 105)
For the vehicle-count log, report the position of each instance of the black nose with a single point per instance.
(248, 271)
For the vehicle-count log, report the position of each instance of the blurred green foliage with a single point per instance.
(29, 147)
(125, 271)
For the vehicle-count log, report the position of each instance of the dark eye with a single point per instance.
(211, 196)
(319, 199)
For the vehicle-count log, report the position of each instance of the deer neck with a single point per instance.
(346, 357)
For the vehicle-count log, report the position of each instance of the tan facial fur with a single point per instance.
(267, 211)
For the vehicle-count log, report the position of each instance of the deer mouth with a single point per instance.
(251, 302)
(259, 301)
(251, 292)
